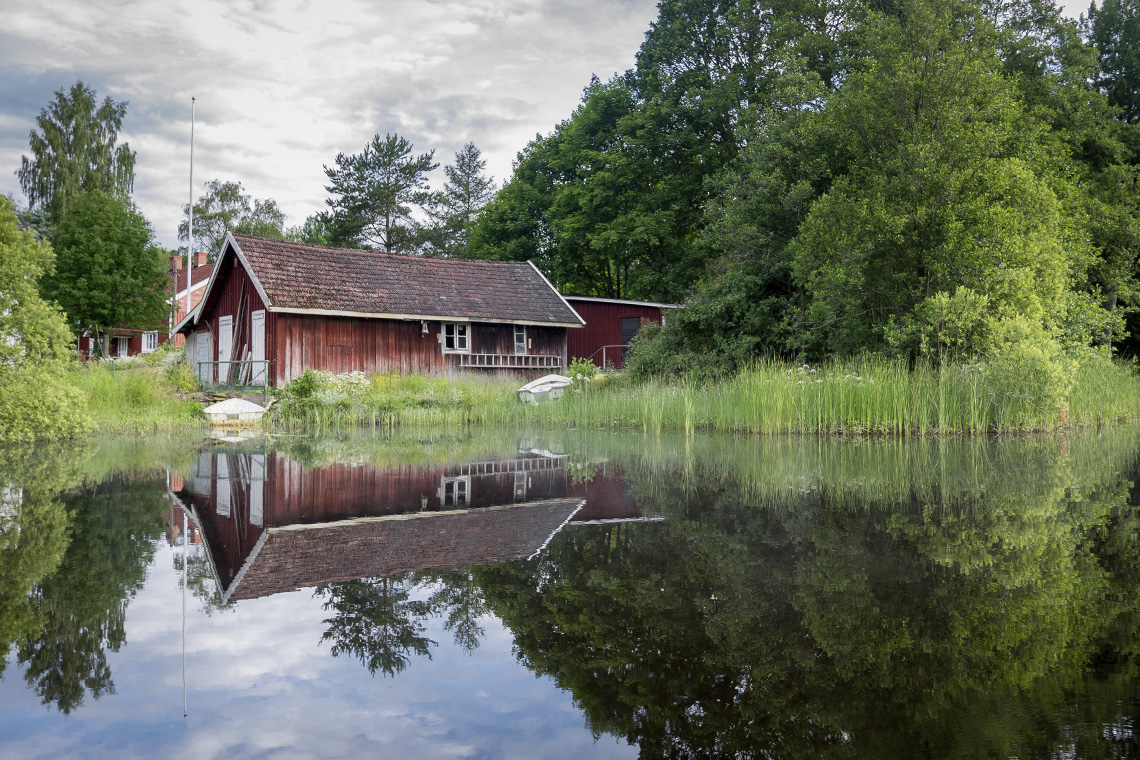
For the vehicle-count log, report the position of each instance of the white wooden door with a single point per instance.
(257, 338)
(223, 480)
(205, 344)
(225, 347)
(257, 489)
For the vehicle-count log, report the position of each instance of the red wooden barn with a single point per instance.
(610, 326)
(301, 307)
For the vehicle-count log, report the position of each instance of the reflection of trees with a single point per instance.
(200, 580)
(33, 532)
(962, 623)
(376, 621)
(457, 598)
(82, 606)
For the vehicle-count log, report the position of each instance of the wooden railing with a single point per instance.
(251, 374)
(511, 361)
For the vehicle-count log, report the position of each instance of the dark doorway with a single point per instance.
(629, 328)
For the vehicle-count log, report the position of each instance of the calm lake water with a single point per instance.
(564, 595)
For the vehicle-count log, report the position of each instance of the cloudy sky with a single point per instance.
(282, 87)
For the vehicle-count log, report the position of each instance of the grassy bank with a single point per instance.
(868, 397)
(139, 396)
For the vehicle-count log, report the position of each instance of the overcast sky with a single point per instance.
(282, 87)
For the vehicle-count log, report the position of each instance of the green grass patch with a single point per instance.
(138, 397)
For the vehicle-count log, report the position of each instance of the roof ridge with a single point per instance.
(369, 252)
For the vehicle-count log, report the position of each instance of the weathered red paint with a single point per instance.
(296, 342)
(603, 328)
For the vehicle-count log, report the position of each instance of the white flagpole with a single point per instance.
(190, 226)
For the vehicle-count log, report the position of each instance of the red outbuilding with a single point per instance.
(611, 325)
(281, 308)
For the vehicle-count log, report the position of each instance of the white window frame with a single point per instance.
(460, 333)
(520, 339)
(455, 492)
(149, 342)
(122, 346)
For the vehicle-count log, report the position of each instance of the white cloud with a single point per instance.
(283, 87)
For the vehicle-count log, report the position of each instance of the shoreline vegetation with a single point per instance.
(870, 396)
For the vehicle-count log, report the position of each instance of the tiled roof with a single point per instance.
(200, 274)
(299, 556)
(300, 276)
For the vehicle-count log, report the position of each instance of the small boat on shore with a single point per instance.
(234, 411)
(545, 388)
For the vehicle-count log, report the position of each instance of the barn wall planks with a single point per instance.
(238, 298)
(603, 328)
(346, 344)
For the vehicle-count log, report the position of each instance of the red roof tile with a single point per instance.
(299, 556)
(329, 279)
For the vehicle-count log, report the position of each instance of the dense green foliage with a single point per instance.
(454, 211)
(109, 272)
(226, 207)
(36, 348)
(374, 193)
(73, 150)
(946, 181)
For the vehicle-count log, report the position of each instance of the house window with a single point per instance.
(122, 347)
(456, 338)
(149, 342)
(520, 339)
(454, 491)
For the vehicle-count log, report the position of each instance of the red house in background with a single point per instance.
(287, 307)
(611, 325)
(129, 341)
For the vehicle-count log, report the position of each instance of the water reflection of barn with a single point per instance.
(272, 524)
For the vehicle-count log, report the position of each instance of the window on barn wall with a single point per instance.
(456, 338)
(149, 342)
(520, 339)
(630, 327)
(453, 491)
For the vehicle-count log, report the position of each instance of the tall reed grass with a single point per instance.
(867, 396)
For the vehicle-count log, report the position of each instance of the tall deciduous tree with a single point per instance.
(73, 150)
(456, 209)
(109, 272)
(376, 190)
(226, 207)
(37, 400)
(1114, 29)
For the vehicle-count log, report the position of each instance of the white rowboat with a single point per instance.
(546, 388)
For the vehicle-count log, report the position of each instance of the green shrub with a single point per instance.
(582, 370)
(181, 378)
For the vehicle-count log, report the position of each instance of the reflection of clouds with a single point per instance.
(282, 90)
(261, 685)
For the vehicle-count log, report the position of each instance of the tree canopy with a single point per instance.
(826, 178)
(226, 207)
(73, 150)
(35, 343)
(375, 192)
(454, 210)
(109, 272)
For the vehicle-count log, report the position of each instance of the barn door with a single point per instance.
(205, 343)
(225, 348)
(257, 338)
